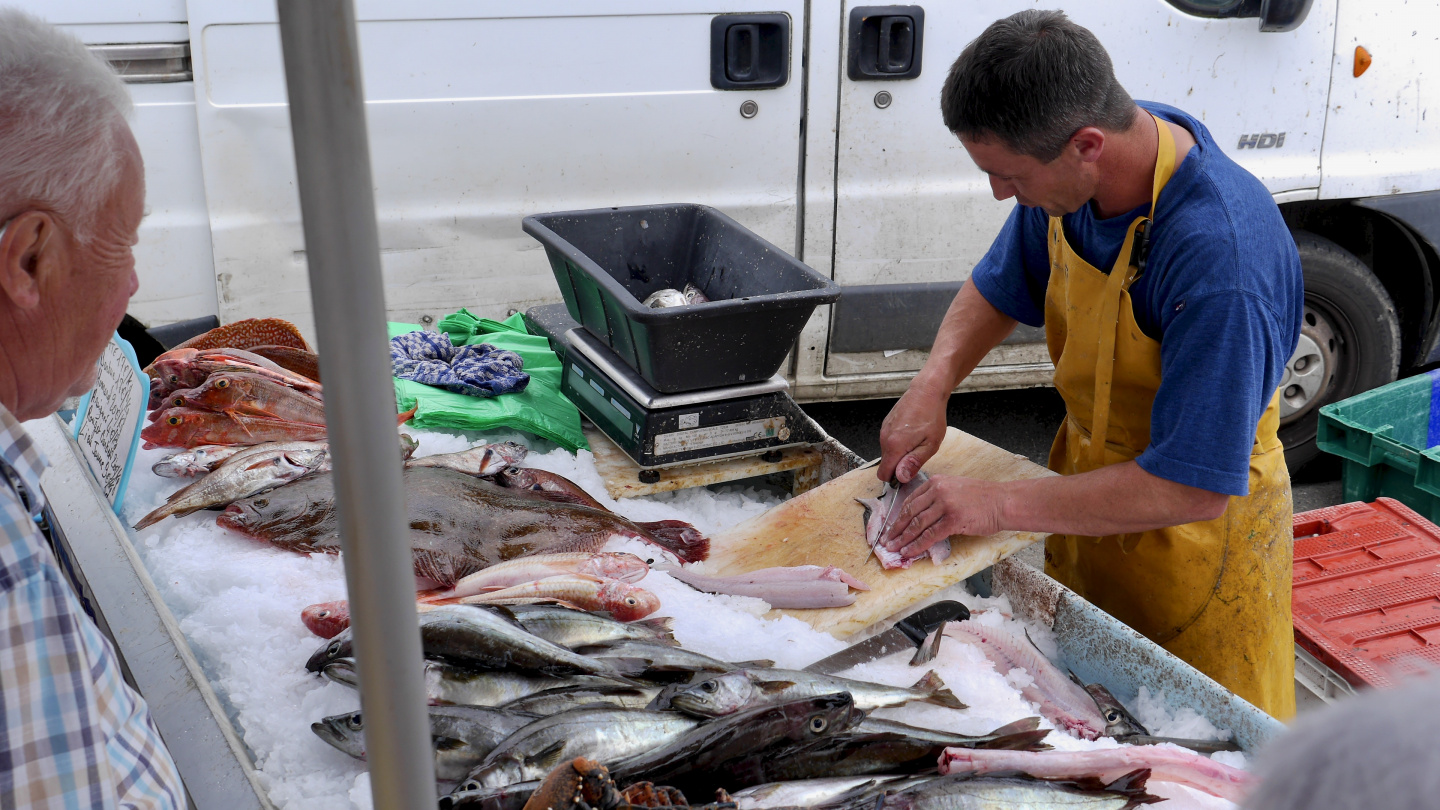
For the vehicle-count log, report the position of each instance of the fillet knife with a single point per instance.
(908, 633)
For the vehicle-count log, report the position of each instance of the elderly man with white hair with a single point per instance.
(72, 193)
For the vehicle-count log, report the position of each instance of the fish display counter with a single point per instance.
(208, 621)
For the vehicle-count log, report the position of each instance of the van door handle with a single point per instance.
(749, 51)
(885, 42)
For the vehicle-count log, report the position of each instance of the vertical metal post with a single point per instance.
(332, 156)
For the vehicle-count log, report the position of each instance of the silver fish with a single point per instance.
(481, 460)
(243, 476)
(1021, 735)
(565, 698)
(694, 295)
(803, 792)
(966, 792)
(462, 735)
(747, 688)
(196, 461)
(479, 639)
(578, 628)
(447, 683)
(605, 733)
(665, 298)
(654, 660)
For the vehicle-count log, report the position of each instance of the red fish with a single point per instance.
(248, 333)
(187, 427)
(251, 394)
(621, 600)
(300, 361)
(327, 619)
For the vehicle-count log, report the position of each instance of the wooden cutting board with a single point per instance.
(825, 527)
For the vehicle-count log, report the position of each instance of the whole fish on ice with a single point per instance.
(622, 600)
(450, 684)
(461, 735)
(302, 362)
(251, 394)
(884, 512)
(558, 625)
(748, 688)
(480, 460)
(604, 564)
(195, 461)
(547, 485)
(458, 524)
(255, 473)
(1166, 764)
(788, 587)
(188, 427)
(959, 792)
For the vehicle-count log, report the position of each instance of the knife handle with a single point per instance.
(920, 624)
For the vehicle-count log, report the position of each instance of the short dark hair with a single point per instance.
(1031, 80)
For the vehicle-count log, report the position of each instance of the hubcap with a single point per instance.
(1311, 367)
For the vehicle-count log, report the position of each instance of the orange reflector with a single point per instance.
(1362, 60)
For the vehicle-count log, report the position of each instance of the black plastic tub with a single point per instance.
(609, 260)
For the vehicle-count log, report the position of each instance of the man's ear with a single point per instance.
(28, 250)
(1089, 142)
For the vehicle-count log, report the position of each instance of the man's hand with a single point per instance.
(943, 506)
(911, 434)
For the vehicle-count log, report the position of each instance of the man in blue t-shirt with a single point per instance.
(1171, 295)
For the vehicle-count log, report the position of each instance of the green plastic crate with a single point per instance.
(1387, 439)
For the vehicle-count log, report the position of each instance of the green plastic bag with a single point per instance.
(540, 409)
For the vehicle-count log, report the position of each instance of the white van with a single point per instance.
(815, 123)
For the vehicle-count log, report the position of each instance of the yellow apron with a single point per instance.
(1217, 593)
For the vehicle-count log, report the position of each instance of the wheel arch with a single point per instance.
(1396, 237)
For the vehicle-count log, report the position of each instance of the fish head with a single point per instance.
(177, 373)
(177, 427)
(177, 465)
(512, 452)
(1119, 722)
(333, 650)
(619, 565)
(253, 515)
(326, 619)
(224, 388)
(344, 731)
(342, 671)
(513, 477)
(625, 601)
(815, 717)
(721, 695)
(408, 444)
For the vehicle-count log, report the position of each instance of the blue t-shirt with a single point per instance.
(1222, 292)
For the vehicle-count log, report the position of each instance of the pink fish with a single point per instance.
(623, 601)
(1061, 701)
(1166, 764)
(603, 564)
(883, 512)
(786, 587)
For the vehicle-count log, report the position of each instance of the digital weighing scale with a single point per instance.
(664, 430)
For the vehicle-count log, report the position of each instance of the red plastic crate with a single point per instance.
(1366, 596)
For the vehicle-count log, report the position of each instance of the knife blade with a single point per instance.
(909, 632)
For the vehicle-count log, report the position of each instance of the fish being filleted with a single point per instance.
(459, 524)
(660, 661)
(480, 460)
(694, 761)
(789, 587)
(882, 513)
(256, 473)
(1002, 791)
(621, 600)
(193, 462)
(747, 688)
(463, 686)
(1167, 763)
(479, 638)
(547, 485)
(461, 735)
(597, 732)
(565, 698)
(1061, 701)
(604, 564)
(251, 394)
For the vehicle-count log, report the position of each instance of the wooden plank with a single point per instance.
(825, 527)
(621, 474)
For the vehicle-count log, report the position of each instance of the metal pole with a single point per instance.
(332, 157)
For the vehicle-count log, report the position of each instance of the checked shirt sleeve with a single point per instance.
(72, 733)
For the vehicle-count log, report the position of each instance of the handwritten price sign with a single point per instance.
(107, 426)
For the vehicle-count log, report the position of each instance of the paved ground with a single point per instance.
(1025, 422)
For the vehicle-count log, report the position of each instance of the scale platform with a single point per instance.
(664, 430)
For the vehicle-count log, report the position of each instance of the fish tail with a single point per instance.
(661, 625)
(939, 694)
(679, 537)
(406, 416)
(1019, 741)
(1023, 724)
(154, 517)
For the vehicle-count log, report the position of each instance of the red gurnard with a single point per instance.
(253, 395)
(621, 600)
(187, 427)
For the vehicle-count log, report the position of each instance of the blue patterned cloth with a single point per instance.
(480, 370)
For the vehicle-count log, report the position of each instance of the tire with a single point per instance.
(1349, 343)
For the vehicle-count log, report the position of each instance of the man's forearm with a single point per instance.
(971, 328)
(1116, 499)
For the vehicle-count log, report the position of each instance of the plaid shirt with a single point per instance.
(73, 734)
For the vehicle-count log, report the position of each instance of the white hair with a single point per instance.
(61, 108)
(1375, 750)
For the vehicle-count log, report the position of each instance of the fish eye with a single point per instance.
(334, 649)
(354, 722)
(709, 686)
(324, 614)
(631, 601)
(174, 420)
(179, 402)
(222, 383)
(1112, 716)
(174, 378)
(817, 724)
(262, 502)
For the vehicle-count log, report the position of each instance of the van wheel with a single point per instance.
(1349, 342)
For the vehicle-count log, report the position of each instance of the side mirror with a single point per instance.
(1283, 15)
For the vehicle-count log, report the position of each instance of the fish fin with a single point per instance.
(758, 663)
(1023, 724)
(154, 517)
(660, 624)
(1019, 741)
(939, 695)
(774, 687)
(678, 537)
(549, 756)
(407, 415)
(1068, 671)
(1132, 787)
(927, 651)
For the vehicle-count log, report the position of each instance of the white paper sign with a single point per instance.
(107, 425)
